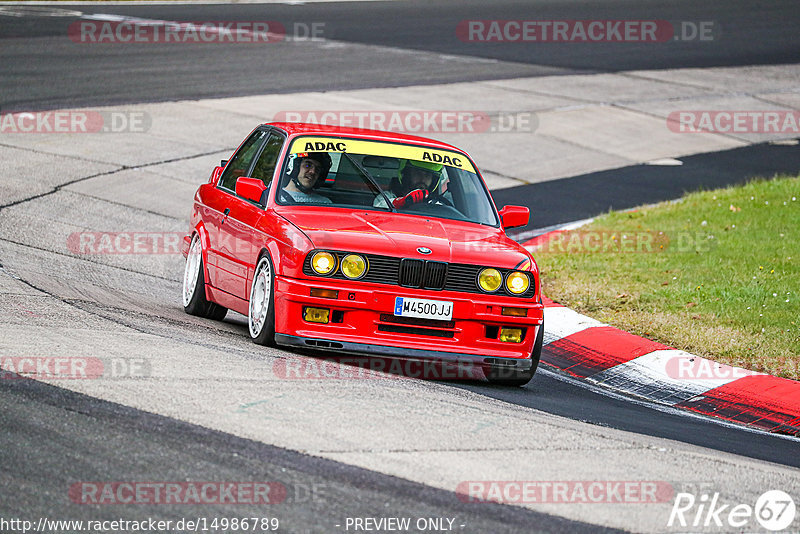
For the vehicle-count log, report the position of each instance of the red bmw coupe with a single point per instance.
(365, 242)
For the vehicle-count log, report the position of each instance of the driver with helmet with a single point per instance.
(414, 183)
(306, 171)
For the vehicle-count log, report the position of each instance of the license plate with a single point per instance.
(423, 308)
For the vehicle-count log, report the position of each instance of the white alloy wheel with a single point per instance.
(192, 270)
(260, 295)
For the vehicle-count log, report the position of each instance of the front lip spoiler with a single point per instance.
(368, 349)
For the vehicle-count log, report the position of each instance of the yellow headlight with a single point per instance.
(517, 282)
(510, 335)
(490, 279)
(316, 315)
(323, 263)
(354, 266)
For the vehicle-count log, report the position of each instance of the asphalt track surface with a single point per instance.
(52, 436)
(589, 195)
(75, 437)
(381, 39)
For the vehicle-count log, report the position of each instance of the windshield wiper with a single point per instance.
(372, 181)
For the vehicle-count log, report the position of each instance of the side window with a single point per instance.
(240, 162)
(265, 166)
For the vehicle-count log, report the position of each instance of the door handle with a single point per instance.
(225, 213)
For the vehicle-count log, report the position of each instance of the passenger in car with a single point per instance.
(306, 171)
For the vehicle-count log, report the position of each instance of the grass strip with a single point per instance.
(716, 273)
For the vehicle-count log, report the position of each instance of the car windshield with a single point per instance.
(382, 176)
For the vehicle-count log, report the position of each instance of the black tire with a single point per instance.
(194, 286)
(261, 305)
(509, 377)
(216, 312)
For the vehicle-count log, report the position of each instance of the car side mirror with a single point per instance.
(215, 174)
(515, 216)
(250, 188)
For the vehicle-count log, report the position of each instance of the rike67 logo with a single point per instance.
(774, 510)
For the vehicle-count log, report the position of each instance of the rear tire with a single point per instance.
(509, 377)
(194, 286)
(261, 308)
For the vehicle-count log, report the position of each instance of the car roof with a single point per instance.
(302, 128)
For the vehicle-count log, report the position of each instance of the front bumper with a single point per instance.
(419, 355)
(365, 324)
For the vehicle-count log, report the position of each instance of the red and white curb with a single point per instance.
(613, 359)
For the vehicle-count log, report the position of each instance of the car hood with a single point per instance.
(400, 235)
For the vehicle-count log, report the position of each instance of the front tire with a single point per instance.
(261, 309)
(194, 286)
(508, 377)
